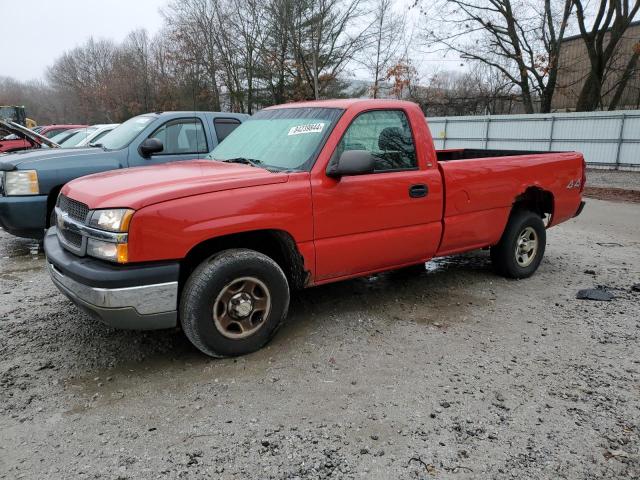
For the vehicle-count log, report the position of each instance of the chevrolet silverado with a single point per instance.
(297, 196)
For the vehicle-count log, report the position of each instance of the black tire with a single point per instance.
(507, 260)
(215, 277)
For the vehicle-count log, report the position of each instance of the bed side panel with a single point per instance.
(481, 192)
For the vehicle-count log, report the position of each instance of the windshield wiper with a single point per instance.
(243, 160)
(97, 145)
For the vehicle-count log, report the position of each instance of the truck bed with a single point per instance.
(481, 186)
(469, 153)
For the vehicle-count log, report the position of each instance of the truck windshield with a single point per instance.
(282, 138)
(123, 135)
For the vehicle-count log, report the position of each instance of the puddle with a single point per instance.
(17, 247)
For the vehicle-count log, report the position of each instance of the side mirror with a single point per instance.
(352, 162)
(150, 146)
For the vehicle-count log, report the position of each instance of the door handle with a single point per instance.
(419, 190)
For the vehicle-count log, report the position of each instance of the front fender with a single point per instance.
(169, 230)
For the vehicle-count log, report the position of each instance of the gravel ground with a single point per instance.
(613, 179)
(443, 372)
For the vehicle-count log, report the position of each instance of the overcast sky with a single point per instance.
(35, 32)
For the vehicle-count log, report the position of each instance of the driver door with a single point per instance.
(389, 218)
(183, 139)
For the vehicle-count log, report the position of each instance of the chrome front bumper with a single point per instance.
(145, 307)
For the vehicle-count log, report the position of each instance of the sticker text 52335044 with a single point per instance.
(308, 128)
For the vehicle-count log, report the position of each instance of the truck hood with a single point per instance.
(28, 159)
(141, 186)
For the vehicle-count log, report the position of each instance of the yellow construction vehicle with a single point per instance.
(16, 114)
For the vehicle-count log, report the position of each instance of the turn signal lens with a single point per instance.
(123, 253)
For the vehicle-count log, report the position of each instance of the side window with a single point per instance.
(53, 133)
(386, 134)
(99, 136)
(185, 135)
(224, 126)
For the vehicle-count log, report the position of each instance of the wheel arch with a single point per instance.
(535, 199)
(278, 245)
(51, 201)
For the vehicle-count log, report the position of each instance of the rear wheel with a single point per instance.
(234, 302)
(521, 248)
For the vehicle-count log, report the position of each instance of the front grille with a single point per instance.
(73, 238)
(76, 210)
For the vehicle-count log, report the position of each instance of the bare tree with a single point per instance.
(325, 38)
(386, 41)
(629, 70)
(609, 22)
(521, 40)
(275, 48)
(247, 22)
(86, 71)
(193, 27)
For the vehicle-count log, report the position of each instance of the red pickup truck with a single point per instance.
(299, 195)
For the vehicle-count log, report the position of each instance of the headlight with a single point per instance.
(114, 220)
(113, 252)
(21, 182)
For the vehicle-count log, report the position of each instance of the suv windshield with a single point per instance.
(123, 135)
(62, 136)
(77, 137)
(282, 138)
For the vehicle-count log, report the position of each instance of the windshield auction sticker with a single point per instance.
(309, 128)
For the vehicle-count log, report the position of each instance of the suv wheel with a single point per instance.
(234, 302)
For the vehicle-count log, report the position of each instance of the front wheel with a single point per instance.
(521, 248)
(234, 302)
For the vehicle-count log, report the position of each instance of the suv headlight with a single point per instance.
(21, 182)
(115, 220)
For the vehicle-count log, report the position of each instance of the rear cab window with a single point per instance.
(385, 134)
(224, 126)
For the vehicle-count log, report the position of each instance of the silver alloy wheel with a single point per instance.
(242, 307)
(526, 247)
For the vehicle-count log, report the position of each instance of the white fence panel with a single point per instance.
(607, 139)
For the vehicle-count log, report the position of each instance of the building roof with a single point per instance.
(575, 37)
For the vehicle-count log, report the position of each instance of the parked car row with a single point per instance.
(83, 137)
(298, 195)
(15, 138)
(33, 179)
(66, 136)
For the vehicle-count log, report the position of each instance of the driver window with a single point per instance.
(182, 136)
(385, 134)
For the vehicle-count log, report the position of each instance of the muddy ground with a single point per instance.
(444, 372)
